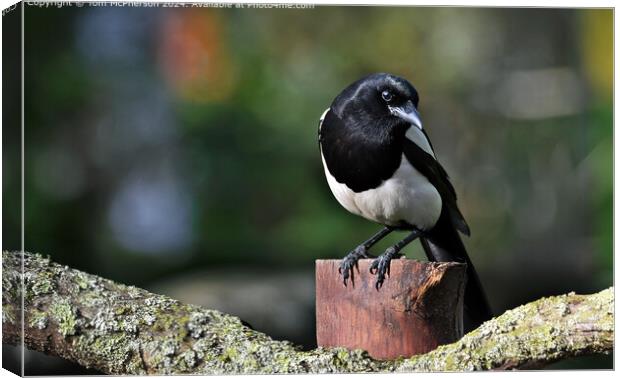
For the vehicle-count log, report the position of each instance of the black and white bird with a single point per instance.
(380, 164)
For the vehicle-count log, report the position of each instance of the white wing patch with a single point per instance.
(323, 117)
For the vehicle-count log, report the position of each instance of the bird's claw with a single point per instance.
(381, 266)
(349, 262)
(346, 270)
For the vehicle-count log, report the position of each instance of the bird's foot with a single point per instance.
(381, 265)
(350, 261)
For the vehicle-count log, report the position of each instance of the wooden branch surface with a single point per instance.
(121, 329)
(419, 307)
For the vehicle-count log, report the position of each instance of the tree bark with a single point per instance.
(121, 329)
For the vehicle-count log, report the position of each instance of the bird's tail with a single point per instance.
(443, 243)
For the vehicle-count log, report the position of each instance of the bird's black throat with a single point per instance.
(361, 154)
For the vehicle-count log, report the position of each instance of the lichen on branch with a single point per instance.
(121, 329)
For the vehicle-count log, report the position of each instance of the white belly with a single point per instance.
(407, 196)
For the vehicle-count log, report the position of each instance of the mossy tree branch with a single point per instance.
(121, 329)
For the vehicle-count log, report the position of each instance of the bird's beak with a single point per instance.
(407, 112)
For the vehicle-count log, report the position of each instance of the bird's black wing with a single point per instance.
(442, 242)
(434, 172)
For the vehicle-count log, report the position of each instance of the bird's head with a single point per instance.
(379, 99)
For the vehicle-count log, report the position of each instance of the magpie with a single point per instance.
(381, 165)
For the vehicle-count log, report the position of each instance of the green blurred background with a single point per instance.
(175, 148)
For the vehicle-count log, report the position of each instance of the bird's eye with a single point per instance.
(387, 96)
